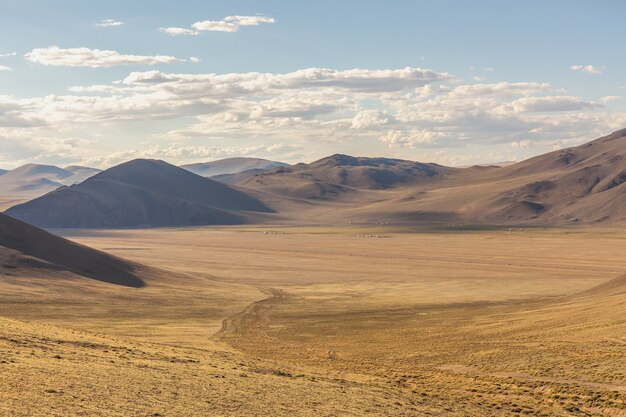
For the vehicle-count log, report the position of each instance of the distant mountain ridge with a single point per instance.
(33, 180)
(139, 193)
(231, 166)
(577, 185)
(338, 174)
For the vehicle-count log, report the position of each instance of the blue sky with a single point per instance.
(456, 82)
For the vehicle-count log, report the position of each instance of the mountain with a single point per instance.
(140, 193)
(33, 180)
(231, 166)
(579, 184)
(29, 173)
(234, 179)
(336, 175)
(582, 184)
(28, 251)
(79, 174)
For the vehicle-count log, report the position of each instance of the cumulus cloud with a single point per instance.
(406, 109)
(94, 58)
(367, 119)
(228, 24)
(231, 23)
(6, 54)
(608, 99)
(215, 26)
(109, 23)
(174, 31)
(5, 68)
(363, 80)
(19, 150)
(589, 69)
(551, 104)
(410, 138)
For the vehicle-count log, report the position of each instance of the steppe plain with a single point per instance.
(342, 320)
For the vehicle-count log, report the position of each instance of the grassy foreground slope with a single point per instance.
(52, 371)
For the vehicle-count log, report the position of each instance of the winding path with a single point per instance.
(254, 318)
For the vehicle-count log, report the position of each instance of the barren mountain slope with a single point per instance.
(26, 250)
(583, 184)
(331, 177)
(139, 193)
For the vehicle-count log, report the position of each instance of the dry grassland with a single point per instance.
(328, 321)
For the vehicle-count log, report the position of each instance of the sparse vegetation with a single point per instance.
(411, 324)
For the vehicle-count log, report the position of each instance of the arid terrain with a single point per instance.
(317, 209)
(348, 320)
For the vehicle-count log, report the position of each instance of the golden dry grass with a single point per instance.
(406, 323)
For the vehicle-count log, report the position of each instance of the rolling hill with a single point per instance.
(28, 251)
(336, 175)
(140, 193)
(231, 166)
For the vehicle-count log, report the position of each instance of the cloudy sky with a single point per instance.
(453, 82)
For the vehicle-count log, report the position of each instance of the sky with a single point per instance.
(451, 82)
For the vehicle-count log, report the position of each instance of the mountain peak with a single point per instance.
(337, 159)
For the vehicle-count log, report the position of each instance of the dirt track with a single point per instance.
(254, 318)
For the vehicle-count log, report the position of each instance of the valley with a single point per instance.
(426, 321)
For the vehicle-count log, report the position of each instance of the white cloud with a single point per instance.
(231, 23)
(109, 23)
(6, 54)
(608, 99)
(94, 58)
(589, 69)
(249, 20)
(551, 104)
(5, 68)
(199, 115)
(195, 59)
(363, 80)
(215, 26)
(521, 144)
(174, 31)
(367, 119)
(500, 88)
(228, 24)
(410, 138)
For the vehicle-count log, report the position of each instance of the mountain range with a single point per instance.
(231, 166)
(32, 180)
(578, 185)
